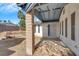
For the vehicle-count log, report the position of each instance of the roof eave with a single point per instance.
(30, 6)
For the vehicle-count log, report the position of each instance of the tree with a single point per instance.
(0, 20)
(22, 24)
(9, 21)
(5, 21)
(21, 16)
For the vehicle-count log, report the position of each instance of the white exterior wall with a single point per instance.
(54, 30)
(54, 33)
(69, 9)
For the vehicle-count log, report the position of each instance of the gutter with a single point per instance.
(29, 7)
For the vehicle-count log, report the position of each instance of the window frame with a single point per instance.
(38, 28)
(48, 29)
(66, 20)
(73, 26)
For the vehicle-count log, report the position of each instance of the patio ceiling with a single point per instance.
(45, 11)
(49, 12)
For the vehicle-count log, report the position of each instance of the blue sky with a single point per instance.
(8, 11)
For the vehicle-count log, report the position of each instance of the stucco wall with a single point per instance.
(53, 30)
(69, 9)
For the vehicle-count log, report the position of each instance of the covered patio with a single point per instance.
(44, 13)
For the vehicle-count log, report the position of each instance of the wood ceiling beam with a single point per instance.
(57, 8)
(44, 11)
(48, 12)
(43, 14)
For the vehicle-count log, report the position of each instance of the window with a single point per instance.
(73, 26)
(34, 28)
(38, 28)
(62, 27)
(66, 27)
(48, 30)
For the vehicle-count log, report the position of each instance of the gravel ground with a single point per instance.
(52, 47)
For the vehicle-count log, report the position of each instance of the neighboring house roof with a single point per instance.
(46, 12)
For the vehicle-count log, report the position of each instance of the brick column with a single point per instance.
(29, 34)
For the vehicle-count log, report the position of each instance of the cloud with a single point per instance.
(8, 7)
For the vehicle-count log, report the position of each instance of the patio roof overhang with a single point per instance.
(25, 7)
(46, 12)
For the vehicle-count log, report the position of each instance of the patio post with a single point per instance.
(29, 34)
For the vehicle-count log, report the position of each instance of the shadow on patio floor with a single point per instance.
(6, 44)
(11, 42)
(6, 52)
